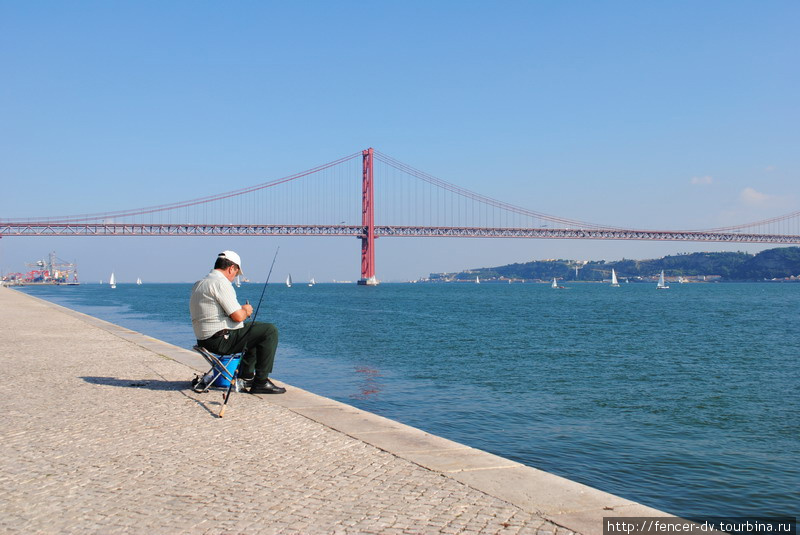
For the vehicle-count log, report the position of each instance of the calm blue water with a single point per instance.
(685, 400)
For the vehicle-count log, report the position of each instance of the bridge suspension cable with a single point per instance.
(524, 215)
(85, 218)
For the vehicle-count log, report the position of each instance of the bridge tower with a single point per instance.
(368, 222)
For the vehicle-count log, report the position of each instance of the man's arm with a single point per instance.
(226, 298)
(243, 313)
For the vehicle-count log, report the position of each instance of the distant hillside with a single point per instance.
(780, 263)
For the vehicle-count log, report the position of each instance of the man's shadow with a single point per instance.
(183, 387)
(149, 384)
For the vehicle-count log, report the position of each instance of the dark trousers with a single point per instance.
(260, 341)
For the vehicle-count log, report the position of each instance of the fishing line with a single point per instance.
(264, 289)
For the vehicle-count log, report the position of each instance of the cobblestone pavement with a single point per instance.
(100, 435)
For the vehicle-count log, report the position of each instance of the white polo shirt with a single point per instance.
(213, 301)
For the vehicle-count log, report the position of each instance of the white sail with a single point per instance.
(289, 281)
(112, 281)
(238, 281)
(614, 278)
(477, 280)
(138, 281)
(312, 282)
(555, 284)
(662, 285)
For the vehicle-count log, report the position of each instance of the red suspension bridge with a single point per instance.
(369, 195)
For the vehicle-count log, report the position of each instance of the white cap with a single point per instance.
(233, 257)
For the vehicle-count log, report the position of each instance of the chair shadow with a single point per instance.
(183, 387)
(149, 384)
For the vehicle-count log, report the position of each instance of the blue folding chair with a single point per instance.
(221, 372)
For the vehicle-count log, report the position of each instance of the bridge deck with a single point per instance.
(136, 229)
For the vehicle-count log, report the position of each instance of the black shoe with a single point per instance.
(266, 387)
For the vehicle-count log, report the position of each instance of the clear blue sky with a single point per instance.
(645, 114)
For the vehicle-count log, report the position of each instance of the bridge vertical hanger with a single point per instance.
(368, 222)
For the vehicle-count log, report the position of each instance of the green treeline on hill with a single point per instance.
(780, 263)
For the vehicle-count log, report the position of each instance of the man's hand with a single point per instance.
(248, 308)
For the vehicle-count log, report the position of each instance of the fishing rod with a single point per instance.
(227, 395)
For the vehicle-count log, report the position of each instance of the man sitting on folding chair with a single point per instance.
(217, 319)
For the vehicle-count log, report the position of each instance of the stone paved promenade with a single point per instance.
(101, 434)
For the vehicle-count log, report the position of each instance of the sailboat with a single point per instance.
(555, 285)
(289, 280)
(614, 282)
(662, 285)
(312, 282)
(238, 281)
(477, 280)
(112, 281)
(138, 281)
